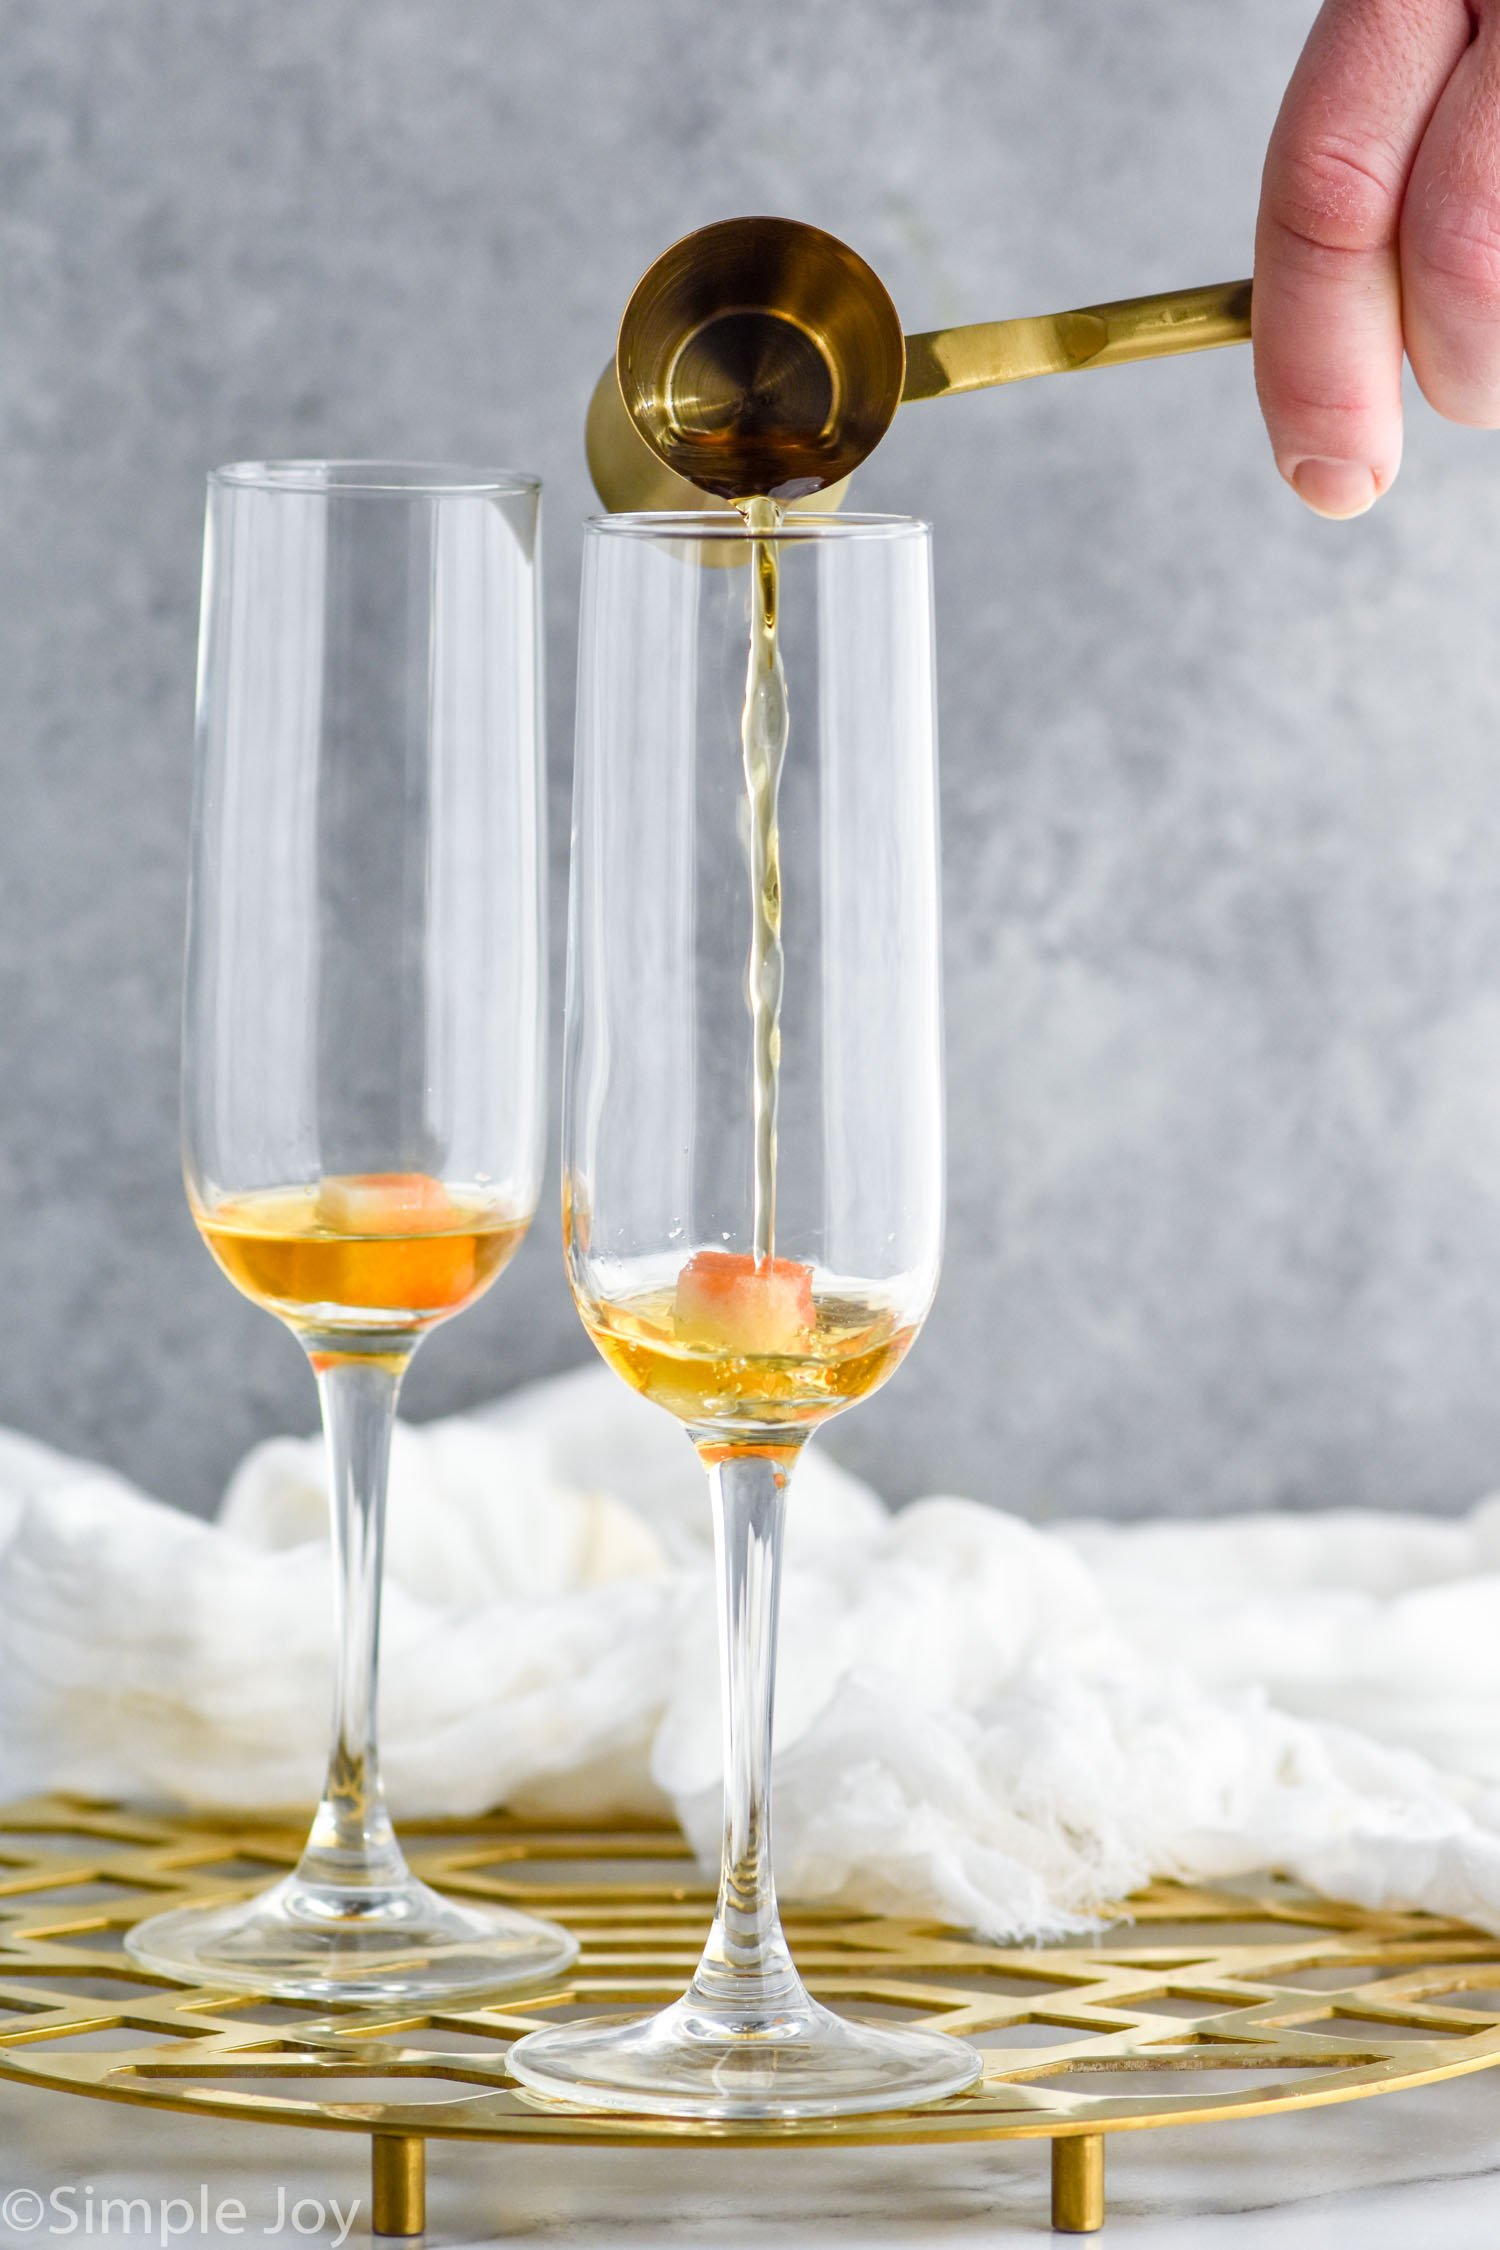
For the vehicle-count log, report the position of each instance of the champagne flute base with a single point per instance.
(690, 2062)
(341, 1945)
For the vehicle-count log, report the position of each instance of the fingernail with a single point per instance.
(1335, 488)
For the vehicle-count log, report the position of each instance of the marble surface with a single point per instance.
(1221, 801)
(1403, 2170)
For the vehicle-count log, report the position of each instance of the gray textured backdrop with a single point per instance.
(1222, 788)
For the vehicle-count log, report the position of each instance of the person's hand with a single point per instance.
(1379, 228)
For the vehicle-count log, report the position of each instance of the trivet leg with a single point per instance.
(398, 2183)
(1078, 2183)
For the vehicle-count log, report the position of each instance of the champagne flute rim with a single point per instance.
(318, 478)
(694, 527)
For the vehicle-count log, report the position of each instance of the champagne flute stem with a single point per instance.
(352, 1842)
(746, 1971)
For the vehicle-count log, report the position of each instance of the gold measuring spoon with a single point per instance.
(765, 356)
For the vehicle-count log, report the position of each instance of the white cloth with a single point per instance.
(1000, 1726)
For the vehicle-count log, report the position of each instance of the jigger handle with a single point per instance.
(945, 360)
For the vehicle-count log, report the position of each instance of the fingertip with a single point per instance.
(1457, 372)
(1338, 490)
(1335, 489)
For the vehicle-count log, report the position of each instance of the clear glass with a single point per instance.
(363, 1057)
(752, 1343)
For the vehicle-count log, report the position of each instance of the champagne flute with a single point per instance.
(363, 1059)
(752, 1210)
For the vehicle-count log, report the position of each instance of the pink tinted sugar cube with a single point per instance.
(384, 1203)
(725, 1302)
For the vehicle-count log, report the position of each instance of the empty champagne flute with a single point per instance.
(363, 1058)
(753, 1193)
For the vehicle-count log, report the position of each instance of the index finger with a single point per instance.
(1327, 279)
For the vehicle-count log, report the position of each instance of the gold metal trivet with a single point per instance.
(1204, 2004)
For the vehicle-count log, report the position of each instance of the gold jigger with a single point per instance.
(764, 356)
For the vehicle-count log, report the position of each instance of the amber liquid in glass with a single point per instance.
(365, 1252)
(703, 1373)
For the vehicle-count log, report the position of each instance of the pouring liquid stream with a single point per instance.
(763, 739)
